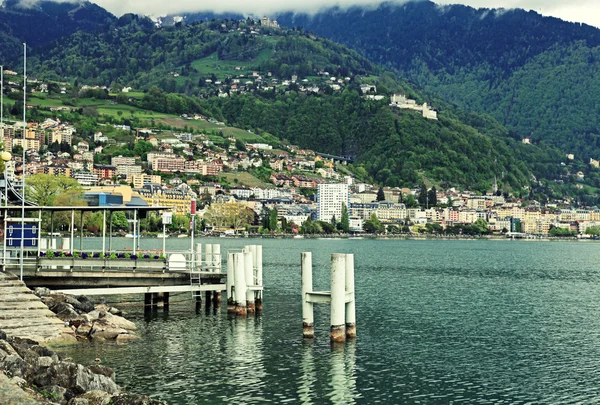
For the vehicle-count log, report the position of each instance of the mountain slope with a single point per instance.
(537, 75)
(239, 72)
(45, 22)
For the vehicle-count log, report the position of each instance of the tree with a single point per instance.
(119, 221)
(43, 189)
(410, 201)
(380, 194)
(273, 220)
(423, 195)
(345, 220)
(432, 197)
(372, 225)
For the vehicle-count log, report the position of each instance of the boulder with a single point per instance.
(97, 397)
(64, 311)
(115, 311)
(2, 335)
(85, 305)
(14, 365)
(42, 291)
(125, 337)
(102, 370)
(78, 401)
(114, 321)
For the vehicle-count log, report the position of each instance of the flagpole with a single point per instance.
(23, 164)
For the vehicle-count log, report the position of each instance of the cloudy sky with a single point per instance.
(587, 11)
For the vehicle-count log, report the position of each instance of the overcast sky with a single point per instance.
(587, 11)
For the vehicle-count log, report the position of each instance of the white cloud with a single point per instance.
(585, 11)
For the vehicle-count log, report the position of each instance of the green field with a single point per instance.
(224, 68)
(245, 179)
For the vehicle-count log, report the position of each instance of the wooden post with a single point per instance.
(350, 306)
(229, 283)
(147, 302)
(338, 297)
(166, 302)
(198, 302)
(248, 274)
(239, 284)
(208, 296)
(154, 302)
(308, 321)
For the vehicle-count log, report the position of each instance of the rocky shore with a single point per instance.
(31, 373)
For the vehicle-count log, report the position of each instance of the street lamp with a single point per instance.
(5, 156)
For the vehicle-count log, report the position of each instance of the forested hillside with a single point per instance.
(538, 76)
(303, 90)
(44, 22)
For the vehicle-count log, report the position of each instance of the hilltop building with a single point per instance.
(400, 101)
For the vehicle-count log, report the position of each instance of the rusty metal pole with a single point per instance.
(338, 297)
(239, 284)
(229, 283)
(308, 321)
(350, 306)
(248, 273)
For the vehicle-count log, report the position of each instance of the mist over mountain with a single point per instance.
(540, 76)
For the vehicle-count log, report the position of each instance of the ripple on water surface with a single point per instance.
(438, 322)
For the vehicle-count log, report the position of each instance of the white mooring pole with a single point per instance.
(259, 277)
(230, 276)
(350, 305)
(248, 273)
(338, 297)
(239, 284)
(308, 321)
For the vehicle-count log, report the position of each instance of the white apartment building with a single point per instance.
(330, 199)
(122, 161)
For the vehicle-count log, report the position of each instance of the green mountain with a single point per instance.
(538, 76)
(44, 21)
(241, 73)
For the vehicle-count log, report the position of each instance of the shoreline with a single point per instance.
(31, 372)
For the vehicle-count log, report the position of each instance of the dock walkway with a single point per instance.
(24, 315)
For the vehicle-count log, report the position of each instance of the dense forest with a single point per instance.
(539, 76)
(172, 66)
(43, 22)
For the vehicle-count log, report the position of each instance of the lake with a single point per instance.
(441, 321)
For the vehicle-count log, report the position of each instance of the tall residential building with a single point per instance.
(330, 200)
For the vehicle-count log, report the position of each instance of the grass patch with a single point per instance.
(245, 179)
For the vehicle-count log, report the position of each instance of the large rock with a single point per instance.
(97, 398)
(109, 320)
(64, 311)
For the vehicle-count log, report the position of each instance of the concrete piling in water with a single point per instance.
(338, 295)
(229, 283)
(216, 258)
(350, 304)
(239, 284)
(249, 276)
(308, 322)
(208, 259)
(259, 278)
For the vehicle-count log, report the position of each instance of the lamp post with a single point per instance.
(6, 157)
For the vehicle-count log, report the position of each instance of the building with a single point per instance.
(85, 178)
(140, 180)
(126, 170)
(105, 171)
(330, 199)
(122, 161)
(179, 200)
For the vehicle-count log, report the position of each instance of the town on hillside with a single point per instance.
(294, 190)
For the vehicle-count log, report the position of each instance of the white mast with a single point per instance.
(23, 164)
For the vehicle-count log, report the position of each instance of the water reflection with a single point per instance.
(244, 351)
(340, 370)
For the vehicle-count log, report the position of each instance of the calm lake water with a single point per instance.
(437, 322)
